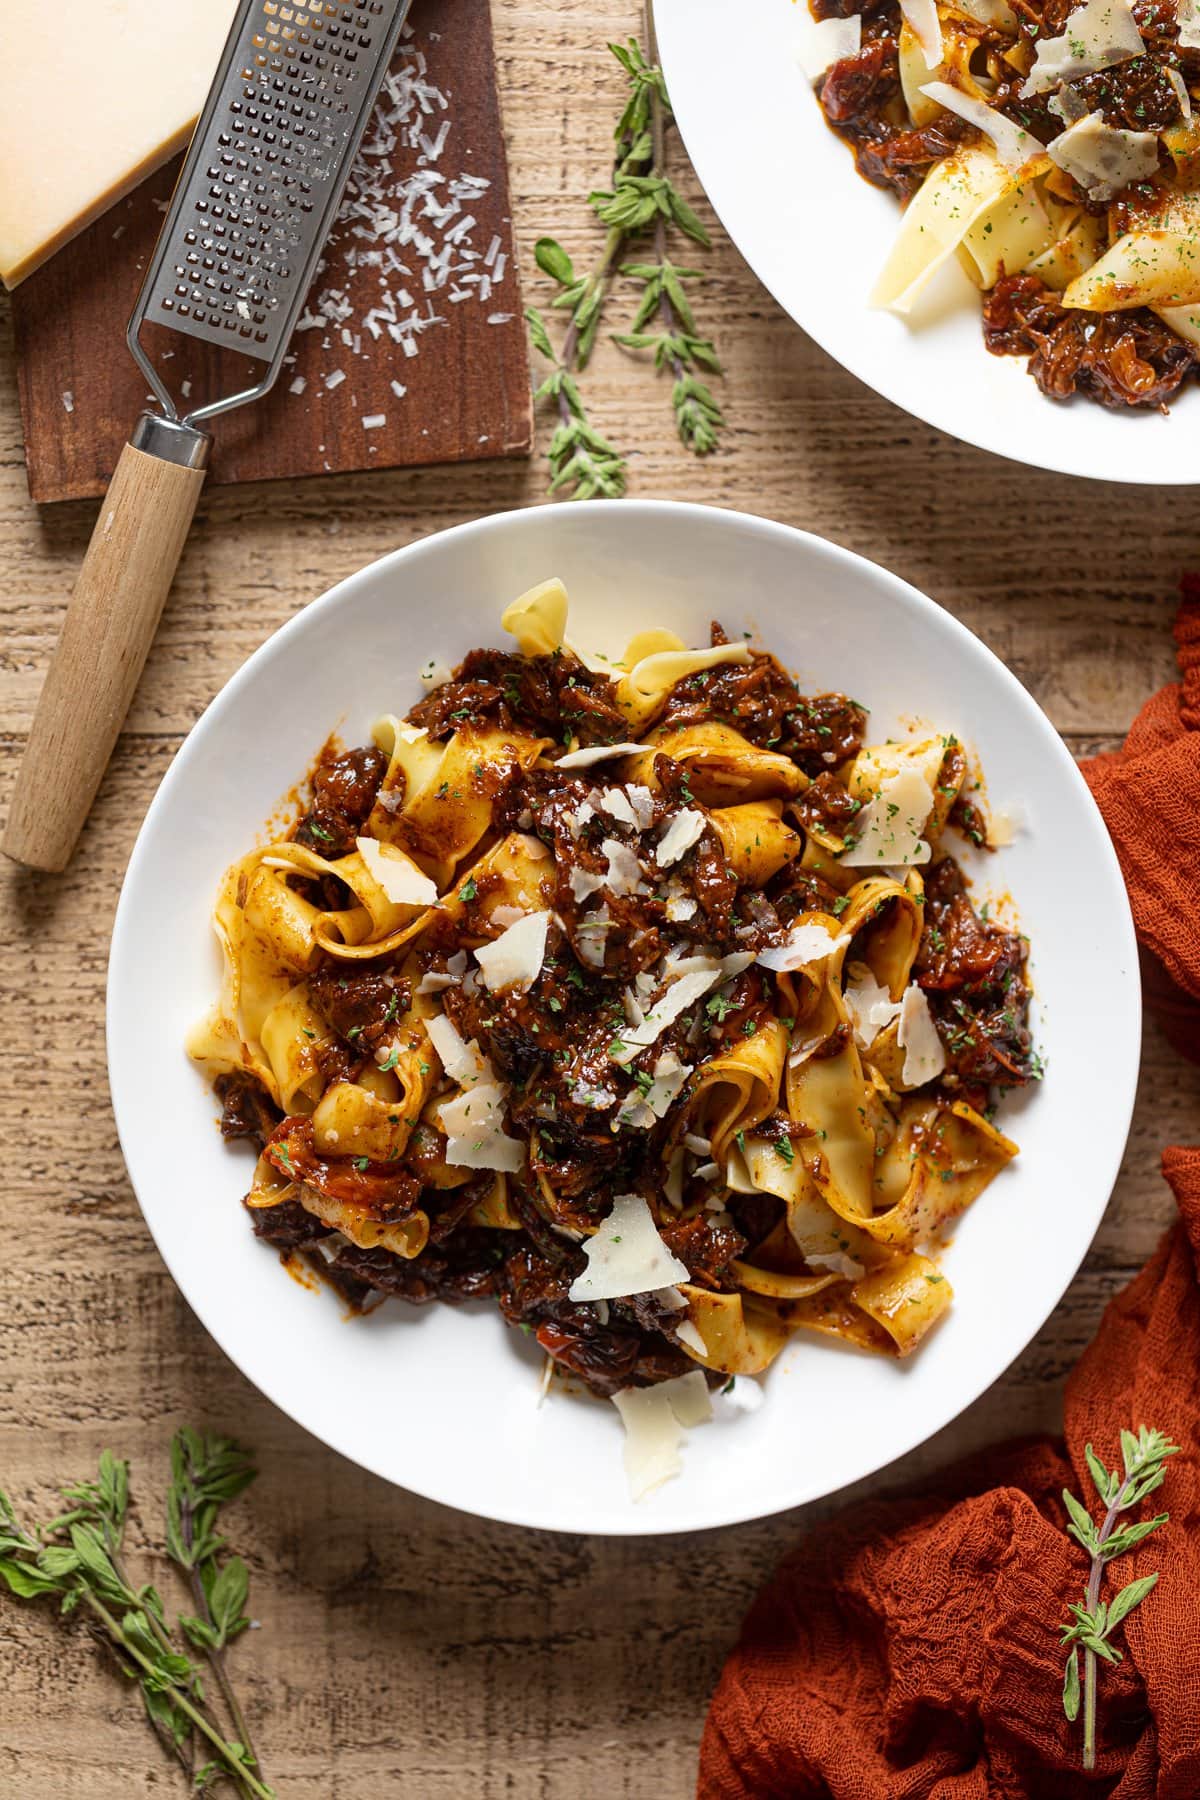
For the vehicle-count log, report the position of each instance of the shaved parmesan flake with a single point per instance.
(670, 1299)
(1014, 145)
(548, 1367)
(624, 870)
(836, 1262)
(673, 1184)
(476, 1111)
(822, 42)
(590, 935)
(587, 1093)
(617, 804)
(689, 1397)
(486, 1151)
(653, 1437)
(515, 959)
(687, 1334)
(594, 753)
(1098, 35)
(888, 829)
(655, 1421)
(805, 944)
(504, 916)
(921, 17)
(400, 879)
(463, 1062)
(584, 883)
(642, 802)
(678, 997)
(626, 1256)
(435, 674)
(1004, 825)
(641, 1109)
(870, 1006)
(685, 829)
(924, 1054)
(433, 982)
(1181, 90)
(680, 905)
(1187, 12)
(1102, 158)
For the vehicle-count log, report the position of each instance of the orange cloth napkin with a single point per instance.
(909, 1650)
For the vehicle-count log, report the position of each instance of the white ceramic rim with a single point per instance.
(1126, 1029)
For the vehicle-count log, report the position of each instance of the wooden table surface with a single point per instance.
(408, 1650)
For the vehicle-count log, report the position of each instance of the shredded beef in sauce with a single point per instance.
(553, 1045)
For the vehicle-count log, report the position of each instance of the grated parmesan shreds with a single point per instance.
(415, 235)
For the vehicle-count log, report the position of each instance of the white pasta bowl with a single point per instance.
(817, 235)
(444, 1400)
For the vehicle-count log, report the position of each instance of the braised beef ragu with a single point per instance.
(1118, 359)
(344, 787)
(555, 696)
(759, 699)
(589, 1124)
(974, 976)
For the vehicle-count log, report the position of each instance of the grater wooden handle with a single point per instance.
(106, 637)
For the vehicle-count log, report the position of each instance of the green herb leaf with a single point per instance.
(1132, 1595)
(1070, 1696)
(553, 260)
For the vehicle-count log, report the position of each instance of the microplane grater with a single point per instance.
(257, 195)
(262, 181)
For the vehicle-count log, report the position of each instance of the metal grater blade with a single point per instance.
(261, 184)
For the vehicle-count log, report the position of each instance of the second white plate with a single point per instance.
(816, 235)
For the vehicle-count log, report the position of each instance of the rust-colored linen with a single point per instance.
(909, 1650)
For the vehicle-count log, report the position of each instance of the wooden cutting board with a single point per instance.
(446, 378)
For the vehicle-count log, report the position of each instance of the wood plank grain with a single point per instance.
(407, 1650)
(464, 397)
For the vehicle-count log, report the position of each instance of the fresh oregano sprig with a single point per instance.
(582, 461)
(677, 346)
(78, 1559)
(206, 1472)
(641, 202)
(1095, 1620)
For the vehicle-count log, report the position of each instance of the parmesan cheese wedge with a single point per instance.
(94, 95)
